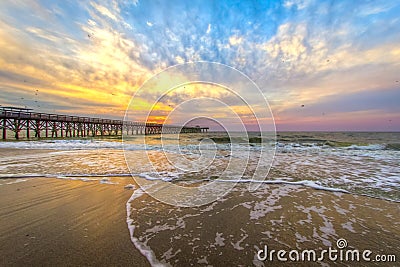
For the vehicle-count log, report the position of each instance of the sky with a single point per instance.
(321, 65)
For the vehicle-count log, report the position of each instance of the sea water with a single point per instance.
(320, 187)
(358, 163)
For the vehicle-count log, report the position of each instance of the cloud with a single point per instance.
(296, 51)
(235, 40)
(299, 4)
(91, 22)
(104, 11)
(373, 8)
(179, 60)
(382, 100)
(97, 70)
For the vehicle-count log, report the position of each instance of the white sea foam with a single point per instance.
(348, 226)
(60, 176)
(83, 179)
(21, 175)
(62, 144)
(219, 240)
(143, 248)
(163, 176)
(203, 260)
(308, 183)
(16, 181)
(367, 147)
(166, 176)
(237, 245)
(107, 181)
(169, 254)
(260, 209)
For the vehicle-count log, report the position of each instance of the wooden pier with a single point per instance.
(40, 125)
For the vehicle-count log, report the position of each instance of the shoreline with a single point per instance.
(49, 221)
(80, 214)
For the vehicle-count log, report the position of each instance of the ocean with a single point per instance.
(321, 186)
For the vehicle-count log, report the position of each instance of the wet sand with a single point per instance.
(53, 222)
(12, 152)
(231, 230)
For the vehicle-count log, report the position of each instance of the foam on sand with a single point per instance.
(307, 183)
(143, 248)
(16, 181)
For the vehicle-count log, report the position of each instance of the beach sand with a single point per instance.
(56, 222)
(230, 231)
(53, 222)
(8, 152)
(67, 222)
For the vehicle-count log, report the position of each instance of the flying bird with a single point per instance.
(302, 106)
